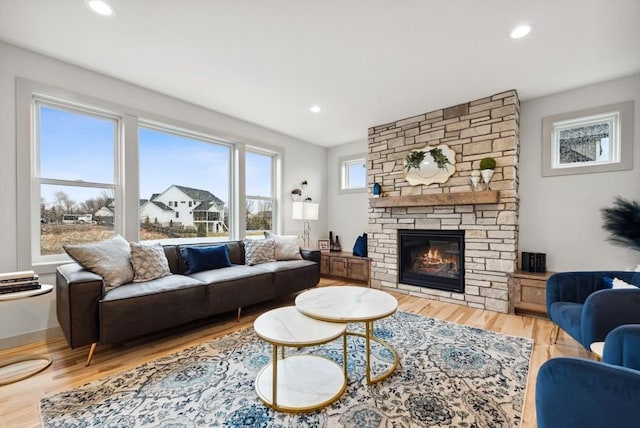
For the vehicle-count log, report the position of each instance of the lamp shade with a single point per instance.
(305, 211)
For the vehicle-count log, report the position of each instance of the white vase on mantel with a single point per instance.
(475, 180)
(486, 175)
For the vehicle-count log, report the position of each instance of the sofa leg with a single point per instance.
(91, 351)
(239, 312)
(554, 334)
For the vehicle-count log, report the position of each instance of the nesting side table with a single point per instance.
(24, 366)
(299, 383)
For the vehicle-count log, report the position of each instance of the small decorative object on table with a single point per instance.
(338, 247)
(360, 247)
(323, 245)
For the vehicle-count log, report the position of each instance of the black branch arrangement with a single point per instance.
(622, 221)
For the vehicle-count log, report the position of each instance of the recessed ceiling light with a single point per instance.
(315, 108)
(100, 7)
(520, 31)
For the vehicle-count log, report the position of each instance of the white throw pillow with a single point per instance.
(286, 246)
(111, 259)
(620, 284)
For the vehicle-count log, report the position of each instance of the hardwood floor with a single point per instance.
(19, 401)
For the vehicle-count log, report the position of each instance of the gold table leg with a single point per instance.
(274, 391)
(368, 337)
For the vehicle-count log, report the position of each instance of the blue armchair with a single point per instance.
(574, 392)
(580, 304)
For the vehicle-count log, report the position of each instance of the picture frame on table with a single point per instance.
(597, 139)
(323, 245)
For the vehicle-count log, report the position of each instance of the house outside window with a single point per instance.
(260, 193)
(75, 196)
(203, 184)
(353, 173)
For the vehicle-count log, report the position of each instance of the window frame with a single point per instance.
(274, 185)
(37, 180)
(620, 118)
(343, 177)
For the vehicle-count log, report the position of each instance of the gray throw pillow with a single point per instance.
(148, 261)
(111, 259)
(258, 251)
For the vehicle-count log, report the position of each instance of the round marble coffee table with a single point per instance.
(299, 383)
(344, 304)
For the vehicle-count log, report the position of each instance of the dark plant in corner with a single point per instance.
(622, 221)
(415, 158)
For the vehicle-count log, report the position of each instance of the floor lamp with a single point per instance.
(305, 211)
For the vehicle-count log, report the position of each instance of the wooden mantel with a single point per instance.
(449, 198)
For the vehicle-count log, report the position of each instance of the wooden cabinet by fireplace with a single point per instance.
(527, 293)
(345, 265)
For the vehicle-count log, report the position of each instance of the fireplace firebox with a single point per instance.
(432, 259)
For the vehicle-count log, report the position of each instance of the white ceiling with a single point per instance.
(366, 62)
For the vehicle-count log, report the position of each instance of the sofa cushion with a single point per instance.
(111, 259)
(200, 259)
(155, 286)
(258, 251)
(139, 308)
(292, 275)
(149, 262)
(284, 265)
(227, 274)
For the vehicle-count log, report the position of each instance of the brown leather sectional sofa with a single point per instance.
(88, 315)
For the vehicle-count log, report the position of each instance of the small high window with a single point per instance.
(353, 174)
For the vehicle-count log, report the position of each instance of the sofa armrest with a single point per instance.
(78, 294)
(622, 346)
(607, 309)
(311, 255)
(577, 286)
(574, 392)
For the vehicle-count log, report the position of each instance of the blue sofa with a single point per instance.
(582, 305)
(575, 392)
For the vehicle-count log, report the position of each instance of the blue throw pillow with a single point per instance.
(607, 281)
(205, 258)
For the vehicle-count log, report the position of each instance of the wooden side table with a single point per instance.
(23, 366)
(527, 293)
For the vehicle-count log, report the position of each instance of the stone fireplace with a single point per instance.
(488, 219)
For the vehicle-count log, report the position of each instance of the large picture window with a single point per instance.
(184, 186)
(75, 180)
(89, 169)
(260, 193)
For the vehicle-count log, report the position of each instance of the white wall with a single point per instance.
(347, 211)
(27, 319)
(560, 215)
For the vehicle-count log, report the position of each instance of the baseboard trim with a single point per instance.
(29, 338)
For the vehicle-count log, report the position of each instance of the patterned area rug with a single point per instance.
(449, 376)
